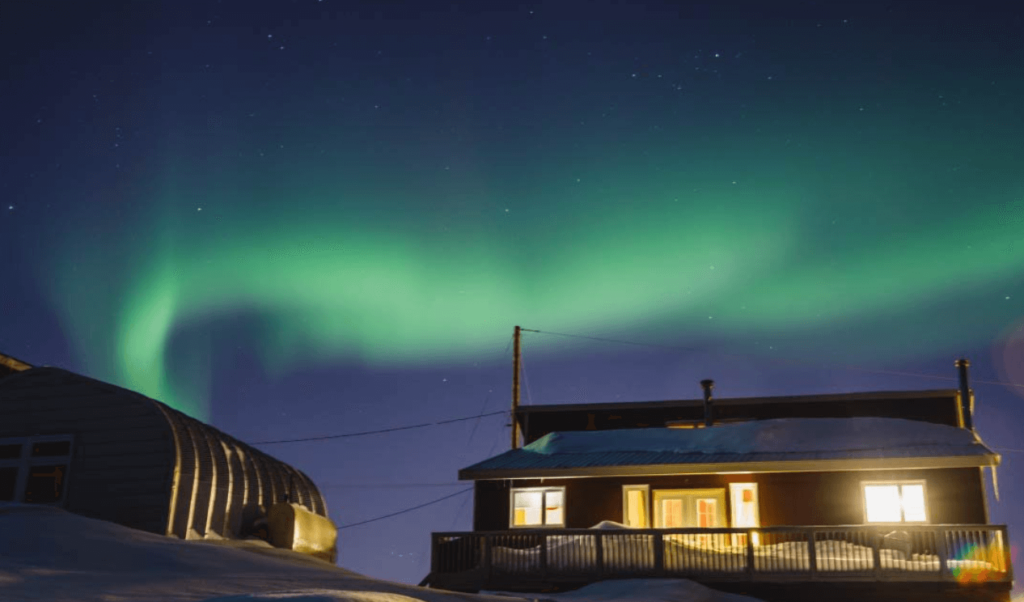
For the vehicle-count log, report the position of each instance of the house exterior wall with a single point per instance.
(537, 421)
(954, 496)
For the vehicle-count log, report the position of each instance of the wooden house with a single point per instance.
(877, 496)
(109, 453)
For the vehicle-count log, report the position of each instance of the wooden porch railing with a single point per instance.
(495, 559)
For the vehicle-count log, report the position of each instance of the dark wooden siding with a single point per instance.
(954, 495)
(935, 407)
(123, 453)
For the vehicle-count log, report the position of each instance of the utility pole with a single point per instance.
(515, 388)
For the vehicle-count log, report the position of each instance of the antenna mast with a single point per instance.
(515, 388)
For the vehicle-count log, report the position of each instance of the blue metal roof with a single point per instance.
(809, 440)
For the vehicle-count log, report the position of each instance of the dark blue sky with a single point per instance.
(314, 217)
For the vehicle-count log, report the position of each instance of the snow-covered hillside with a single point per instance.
(49, 554)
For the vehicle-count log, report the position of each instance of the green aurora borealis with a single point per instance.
(306, 218)
(686, 255)
(374, 187)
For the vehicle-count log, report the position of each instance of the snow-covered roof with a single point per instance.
(766, 445)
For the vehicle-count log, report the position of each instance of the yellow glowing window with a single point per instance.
(538, 507)
(895, 503)
(634, 510)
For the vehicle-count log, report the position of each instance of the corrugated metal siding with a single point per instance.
(143, 464)
(123, 455)
(236, 489)
(235, 483)
(220, 497)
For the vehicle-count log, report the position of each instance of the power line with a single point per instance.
(440, 499)
(387, 430)
(777, 359)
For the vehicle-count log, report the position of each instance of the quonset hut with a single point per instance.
(105, 452)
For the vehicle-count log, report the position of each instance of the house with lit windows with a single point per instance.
(856, 496)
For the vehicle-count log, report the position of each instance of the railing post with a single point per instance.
(599, 553)
(1004, 545)
(659, 554)
(876, 552)
(487, 543)
(544, 555)
(812, 554)
(750, 554)
(942, 549)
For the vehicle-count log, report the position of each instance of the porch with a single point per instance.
(551, 559)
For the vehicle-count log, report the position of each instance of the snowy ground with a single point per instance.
(49, 554)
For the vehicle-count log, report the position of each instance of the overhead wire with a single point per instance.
(378, 431)
(423, 505)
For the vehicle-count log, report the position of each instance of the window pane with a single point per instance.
(553, 503)
(45, 484)
(883, 503)
(744, 505)
(8, 479)
(51, 448)
(913, 503)
(636, 508)
(527, 507)
(672, 513)
(10, 450)
(707, 513)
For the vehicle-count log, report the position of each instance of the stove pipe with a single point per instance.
(966, 399)
(708, 385)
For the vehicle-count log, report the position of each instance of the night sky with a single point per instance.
(304, 218)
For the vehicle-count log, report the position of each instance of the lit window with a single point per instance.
(634, 506)
(538, 507)
(894, 503)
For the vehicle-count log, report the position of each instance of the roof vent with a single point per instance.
(707, 384)
(966, 399)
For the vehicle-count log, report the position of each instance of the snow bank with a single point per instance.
(763, 436)
(647, 590)
(50, 555)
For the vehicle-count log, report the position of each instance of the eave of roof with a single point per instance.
(805, 465)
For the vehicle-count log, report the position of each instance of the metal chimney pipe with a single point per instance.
(966, 399)
(708, 384)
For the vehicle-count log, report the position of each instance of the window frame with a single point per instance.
(899, 483)
(543, 501)
(25, 461)
(647, 504)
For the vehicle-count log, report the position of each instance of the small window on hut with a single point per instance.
(895, 502)
(538, 507)
(8, 482)
(34, 470)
